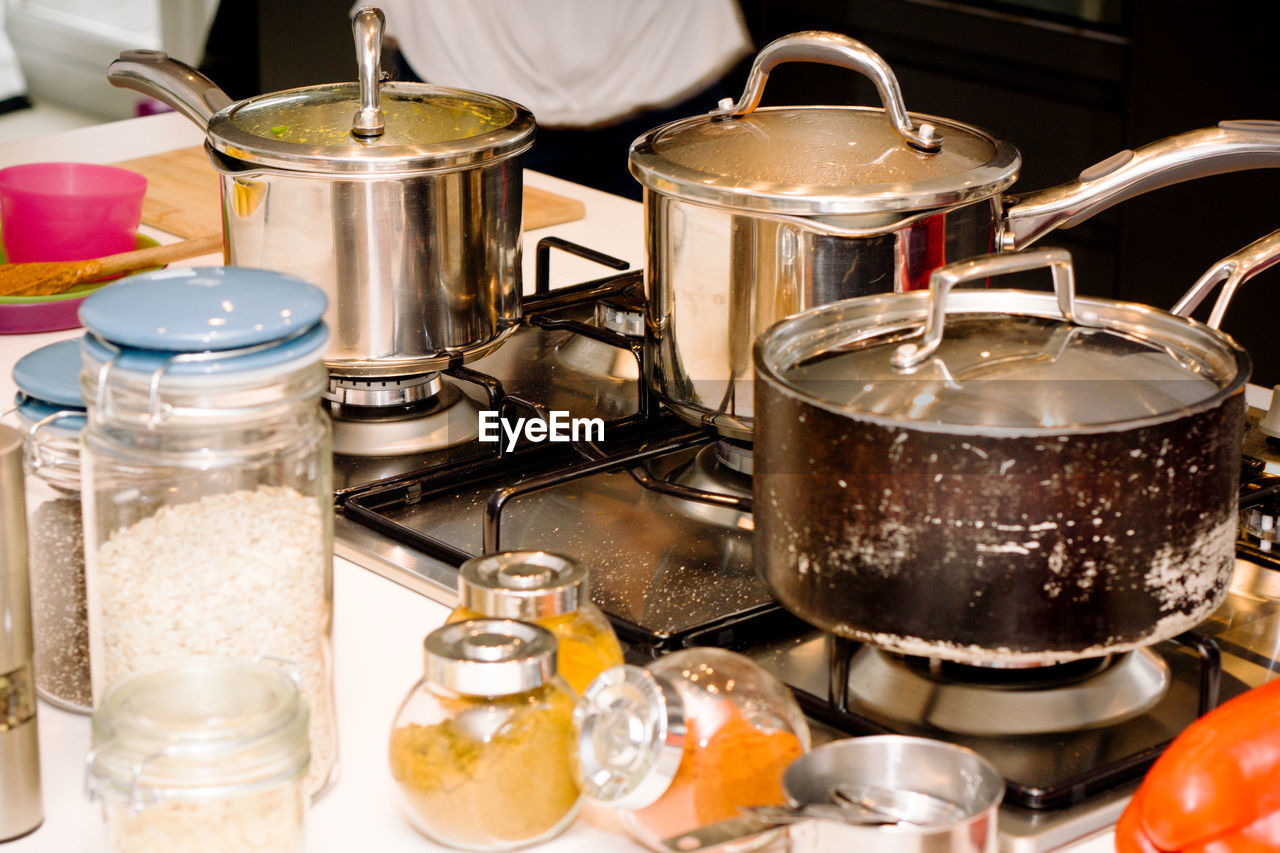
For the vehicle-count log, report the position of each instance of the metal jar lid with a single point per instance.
(371, 126)
(630, 731)
(823, 159)
(198, 728)
(489, 657)
(522, 585)
(1001, 362)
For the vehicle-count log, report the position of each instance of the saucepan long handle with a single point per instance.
(843, 52)
(160, 76)
(1232, 271)
(1232, 146)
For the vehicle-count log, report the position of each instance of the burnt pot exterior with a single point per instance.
(995, 549)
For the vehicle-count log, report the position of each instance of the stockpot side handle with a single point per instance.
(910, 355)
(841, 51)
(156, 74)
(1232, 146)
(367, 26)
(1232, 271)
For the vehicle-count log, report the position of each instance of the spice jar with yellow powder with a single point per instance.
(549, 590)
(480, 746)
(690, 739)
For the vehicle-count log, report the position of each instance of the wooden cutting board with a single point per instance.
(184, 196)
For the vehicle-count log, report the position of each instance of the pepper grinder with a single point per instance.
(19, 744)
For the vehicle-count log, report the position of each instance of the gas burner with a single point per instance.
(985, 701)
(722, 468)
(597, 358)
(396, 416)
(381, 393)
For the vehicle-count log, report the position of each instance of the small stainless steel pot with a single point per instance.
(1001, 477)
(402, 201)
(756, 214)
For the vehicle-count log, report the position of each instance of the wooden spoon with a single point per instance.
(46, 278)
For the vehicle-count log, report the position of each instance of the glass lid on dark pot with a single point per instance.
(823, 159)
(987, 361)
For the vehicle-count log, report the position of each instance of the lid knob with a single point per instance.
(522, 584)
(367, 26)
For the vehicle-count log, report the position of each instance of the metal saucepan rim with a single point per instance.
(983, 180)
(827, 326)
(513, 138)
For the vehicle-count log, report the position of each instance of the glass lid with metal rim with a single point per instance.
(996, 361)
(823, 159)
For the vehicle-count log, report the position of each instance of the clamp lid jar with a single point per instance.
(208, 479)
(210, 751)
(51, 413)
(550, 590)
(480, 747)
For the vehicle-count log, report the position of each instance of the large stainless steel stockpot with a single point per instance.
(756, 214)
(1001, 477)
(401, 201)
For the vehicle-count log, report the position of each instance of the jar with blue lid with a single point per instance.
(208, 479)
(51, 414)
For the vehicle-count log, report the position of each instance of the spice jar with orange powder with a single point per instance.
(549, 590)
(690, 739)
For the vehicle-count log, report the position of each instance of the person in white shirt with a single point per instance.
(595, 73)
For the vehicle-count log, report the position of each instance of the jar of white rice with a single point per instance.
(207, 478)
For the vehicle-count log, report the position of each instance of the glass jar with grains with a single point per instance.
(204, 756)
(480, 746)
(207, 479)
(689, 740)
(548, 590)
(50, 412)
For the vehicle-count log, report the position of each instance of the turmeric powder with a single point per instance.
(587, 645)
(724, 769)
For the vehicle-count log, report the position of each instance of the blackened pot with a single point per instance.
(998, 477)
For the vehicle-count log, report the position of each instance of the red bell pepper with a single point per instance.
(1216, 788)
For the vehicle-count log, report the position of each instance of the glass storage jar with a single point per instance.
(480, 747)
(549, 590)
(686, 741)
(51, 414)
(207, 478)
(203, 756)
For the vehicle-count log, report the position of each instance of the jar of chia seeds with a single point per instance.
(51, 414)
(207, 475)
(204, 756)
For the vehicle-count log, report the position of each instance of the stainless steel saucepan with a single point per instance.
(402, 201)
(756, 214)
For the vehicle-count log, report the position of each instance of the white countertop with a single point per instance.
(378, 625)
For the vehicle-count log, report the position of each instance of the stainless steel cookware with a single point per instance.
(756, 214)
(1001, 477)
(402, 201)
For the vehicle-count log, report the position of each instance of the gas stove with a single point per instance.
(659, 510)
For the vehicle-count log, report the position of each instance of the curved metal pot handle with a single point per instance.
(155, 74)
(909, 355)
(1232, 146)
(1232, 271)
(367, 26)
(831, 49)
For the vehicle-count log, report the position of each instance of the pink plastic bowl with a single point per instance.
(69, 211)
